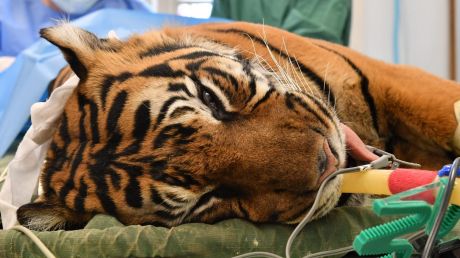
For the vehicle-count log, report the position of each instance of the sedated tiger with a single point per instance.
(204, 123)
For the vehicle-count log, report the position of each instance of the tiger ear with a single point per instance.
(77, 45)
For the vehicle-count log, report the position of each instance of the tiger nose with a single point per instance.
(327, 161)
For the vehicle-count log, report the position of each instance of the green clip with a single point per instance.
(450, 218)
(382, 239)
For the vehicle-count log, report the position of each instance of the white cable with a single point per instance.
(36, 240)
(312, 210)
(258, 254)
(337, 251)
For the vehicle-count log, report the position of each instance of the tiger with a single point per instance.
(225, 120)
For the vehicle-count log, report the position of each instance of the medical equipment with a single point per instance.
(382, 239)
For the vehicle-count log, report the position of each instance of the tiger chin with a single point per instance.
(200, 124)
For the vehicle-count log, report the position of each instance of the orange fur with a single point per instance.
(185, 124)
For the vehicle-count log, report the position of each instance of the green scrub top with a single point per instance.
(323, 19)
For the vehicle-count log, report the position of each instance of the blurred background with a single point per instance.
(416, 32)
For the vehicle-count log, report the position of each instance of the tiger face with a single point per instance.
(164, 131)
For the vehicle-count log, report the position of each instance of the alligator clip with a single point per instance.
(394, 162)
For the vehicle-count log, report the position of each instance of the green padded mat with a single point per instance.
(104, 236)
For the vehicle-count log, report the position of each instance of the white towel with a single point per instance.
(21, 182)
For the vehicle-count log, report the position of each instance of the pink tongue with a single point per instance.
(356, 148)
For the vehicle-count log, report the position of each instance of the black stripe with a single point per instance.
(72, 59)
(186, 176)
(114, 177)
(175, 198)
(82, 126)
(326, 112)
(290, 98)
(318, 131)
(64, 130)
(157, 165)
(161, 70)
(226, 90)
(164, 109)
(243, 210)
(264, 98)
(170, 179)
(53, 165)
(170, 132)
(109, 81)
(304, 69)
(167, 215)
(102, 189)
(106, 85)
(142, 159)
(142, 121)
(291, 106)
(59, 158)
(115, 111)
(318, 103)
(288, 101)
(156, 198)
(252, 82)
(196, 55)
(204, 199)
(132, 149)
(364, 87)
(214, 214)
(98, 170)
(252, 88)
(131, 169)
(93, 109)
(224, 75)
(159, 173)
(106, 200)
(69, 184)
(173, 87)
(133, 195)
(161, 50)
(181, 111)
(221, 192)
(194, 66)
(80, 197)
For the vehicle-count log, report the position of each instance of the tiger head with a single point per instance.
(166, 130)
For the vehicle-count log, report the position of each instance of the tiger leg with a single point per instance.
(50, 214)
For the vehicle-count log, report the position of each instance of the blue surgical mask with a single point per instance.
(75, 6)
